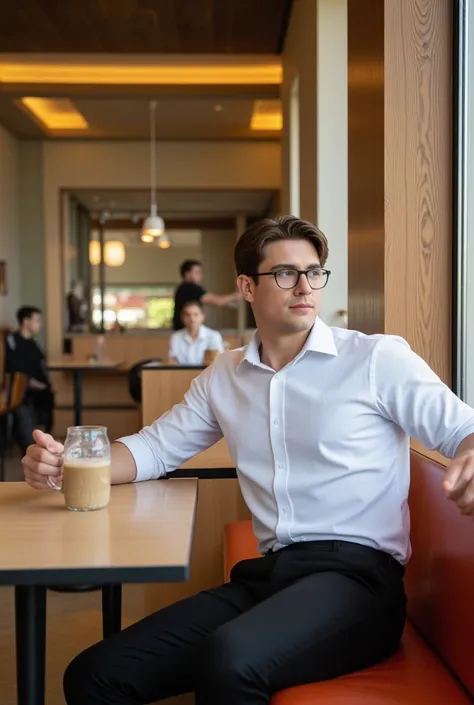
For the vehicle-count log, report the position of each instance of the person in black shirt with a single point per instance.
(190, 289)
(23, 354)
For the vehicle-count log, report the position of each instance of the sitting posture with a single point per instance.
(188, 346)
(23, 354)
(318, 421)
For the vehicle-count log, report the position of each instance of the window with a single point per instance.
(134, 306)
(463, 381)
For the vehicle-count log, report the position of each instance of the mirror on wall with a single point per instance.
(113, 281)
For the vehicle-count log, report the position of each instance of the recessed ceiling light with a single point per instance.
(55, 113)
(218, 108)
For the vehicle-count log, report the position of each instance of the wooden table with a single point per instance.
(144, 535)
(79, 368)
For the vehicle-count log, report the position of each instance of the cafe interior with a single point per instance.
(137, 135)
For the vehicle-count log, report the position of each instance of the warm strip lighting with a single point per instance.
(98, 74)
(55, 113)
(267, 115)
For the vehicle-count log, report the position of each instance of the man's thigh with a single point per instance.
(154, 658)
(323, 626)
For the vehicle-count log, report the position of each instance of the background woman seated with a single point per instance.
(188, 346)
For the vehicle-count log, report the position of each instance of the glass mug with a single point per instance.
(86, 469)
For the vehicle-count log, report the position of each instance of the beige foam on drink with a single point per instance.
(86, 483)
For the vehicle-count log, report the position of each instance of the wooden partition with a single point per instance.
(219, 501)
(400, 172)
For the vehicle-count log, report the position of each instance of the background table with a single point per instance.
(145, 535)
(79, 368)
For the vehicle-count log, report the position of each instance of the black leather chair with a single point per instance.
(135, 380)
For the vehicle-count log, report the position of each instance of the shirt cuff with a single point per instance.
(143, 455)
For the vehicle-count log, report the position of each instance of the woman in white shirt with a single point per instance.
(188, 346)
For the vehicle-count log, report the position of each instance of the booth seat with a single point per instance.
(435, 662)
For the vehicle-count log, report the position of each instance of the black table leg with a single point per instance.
(77, 397)
(111, 609)
(30, 619)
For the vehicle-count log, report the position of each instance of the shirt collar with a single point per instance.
(200, 336)
(320, 340)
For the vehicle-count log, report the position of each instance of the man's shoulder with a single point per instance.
(350, 341)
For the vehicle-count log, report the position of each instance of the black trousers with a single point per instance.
(309, 612)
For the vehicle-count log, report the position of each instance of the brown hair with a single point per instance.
(250, 248)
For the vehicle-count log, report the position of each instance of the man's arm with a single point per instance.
(187, 429)
(210, 299)
(410, 394)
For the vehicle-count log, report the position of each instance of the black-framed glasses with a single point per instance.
(317, 277)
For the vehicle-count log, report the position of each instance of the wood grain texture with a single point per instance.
(365, 168)
(418, 167)
(141, 26)
(400, 146)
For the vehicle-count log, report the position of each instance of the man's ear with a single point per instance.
(246, 286)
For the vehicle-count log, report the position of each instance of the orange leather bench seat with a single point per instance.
(434, 665)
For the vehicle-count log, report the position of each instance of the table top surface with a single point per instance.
(144, 535)
(66, 364)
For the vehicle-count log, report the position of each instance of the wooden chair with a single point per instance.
(12, 396)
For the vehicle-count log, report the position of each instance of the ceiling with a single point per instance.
(144, 26)
(176, 204)
(209, 63)
(128, 118)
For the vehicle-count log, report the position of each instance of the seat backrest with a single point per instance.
(15, 388)
(134, 378)
(440, 575)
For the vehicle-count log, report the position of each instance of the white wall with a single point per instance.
(9, 225)
(316, 55)
(180, 165)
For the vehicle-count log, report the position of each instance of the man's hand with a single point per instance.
(459, 482)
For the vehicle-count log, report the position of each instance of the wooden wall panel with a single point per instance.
(418, 168)
(400, 146)
(365, 169)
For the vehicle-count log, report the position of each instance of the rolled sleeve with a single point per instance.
(148, 467)
(409, 393)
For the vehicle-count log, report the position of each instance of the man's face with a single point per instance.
(192, 317)
(195, 274)
(284, 311)
(33, 324)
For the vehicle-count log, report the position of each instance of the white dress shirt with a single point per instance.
(187, 351)
(322, 446)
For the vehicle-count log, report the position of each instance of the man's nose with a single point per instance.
(303, 288)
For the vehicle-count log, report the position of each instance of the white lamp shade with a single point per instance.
(94, 252)
(153, 226)
(114, 253)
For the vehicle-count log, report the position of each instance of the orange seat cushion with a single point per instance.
(413, 676)
(239, 544)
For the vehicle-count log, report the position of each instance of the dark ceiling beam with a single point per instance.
(17, 90)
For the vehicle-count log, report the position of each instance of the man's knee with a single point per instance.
(84, 680)
(229, 658)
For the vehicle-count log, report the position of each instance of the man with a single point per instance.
(188, 346)
(319, 421)
(191, 289)
(23, 354)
